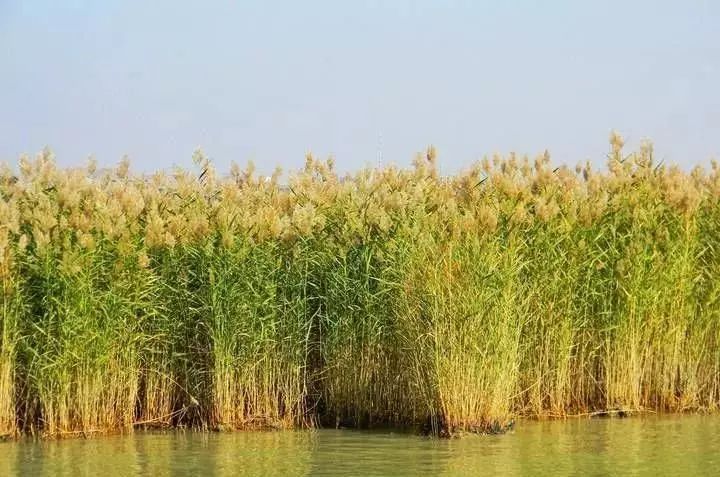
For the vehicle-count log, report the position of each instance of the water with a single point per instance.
(682, 445)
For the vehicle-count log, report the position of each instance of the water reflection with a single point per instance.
(638, 446)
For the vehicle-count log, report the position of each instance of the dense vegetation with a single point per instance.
(389, 297)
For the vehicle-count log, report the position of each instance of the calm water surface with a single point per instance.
(685, 445)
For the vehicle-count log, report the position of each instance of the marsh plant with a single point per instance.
(389, 297)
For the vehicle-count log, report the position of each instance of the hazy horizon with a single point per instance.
(270, 81)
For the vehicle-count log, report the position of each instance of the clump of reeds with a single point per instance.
(388, 297)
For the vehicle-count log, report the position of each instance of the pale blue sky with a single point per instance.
(270, 80)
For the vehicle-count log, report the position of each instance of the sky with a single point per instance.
(269, 81)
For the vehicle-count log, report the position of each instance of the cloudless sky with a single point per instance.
(270, 80)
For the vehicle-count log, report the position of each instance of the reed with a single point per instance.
(389, 297)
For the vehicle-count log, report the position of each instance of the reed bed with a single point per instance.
(389, 297)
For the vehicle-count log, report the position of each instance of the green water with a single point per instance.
(685, 445)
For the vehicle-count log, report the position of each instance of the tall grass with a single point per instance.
(388, 297)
